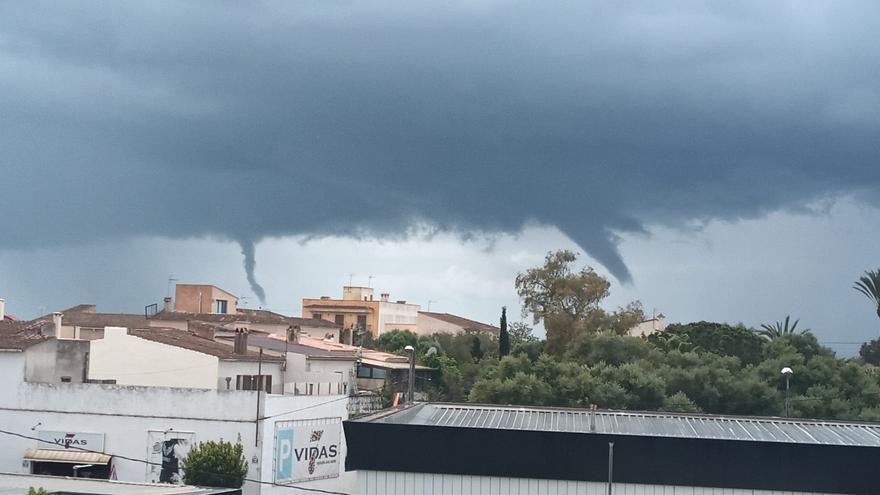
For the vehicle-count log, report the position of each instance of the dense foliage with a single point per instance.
(588, 359)
(219, 464)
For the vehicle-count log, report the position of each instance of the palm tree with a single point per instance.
(780, 329)
(869, 285)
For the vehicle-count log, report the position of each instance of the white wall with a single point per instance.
(429, 325)
(649, 327)
(287, 408)
(130, 416)
(135, 361)
(302, 371)
(394, 483)
(125, 415)
(398, 316)
(234, 368)
(12, 366)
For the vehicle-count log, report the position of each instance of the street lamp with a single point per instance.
(412, 374)
(787, 372)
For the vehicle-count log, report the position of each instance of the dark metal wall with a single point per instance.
(637, 459)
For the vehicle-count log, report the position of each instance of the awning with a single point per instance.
(68, 456)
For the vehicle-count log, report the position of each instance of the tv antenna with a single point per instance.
(370, 281)
(429, 304)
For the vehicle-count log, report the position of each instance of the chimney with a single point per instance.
(384, 296)
(168, 305)
(240, 343)
(293, 333)
(56, 323)
(2, 309)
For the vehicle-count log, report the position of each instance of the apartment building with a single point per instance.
(359, 310)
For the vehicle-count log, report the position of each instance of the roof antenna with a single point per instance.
(350, 276)
(429, 305)
(370, 281)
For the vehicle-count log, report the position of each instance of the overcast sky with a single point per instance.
(717, 160)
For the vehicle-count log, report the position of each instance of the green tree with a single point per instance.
(870, 352)
(717, 338)
(503, 336)
(780, 329)
(680, 402)
(395, 340)
(477, 352)
(567, 301)
(220, 464)
(37, 491)
(869, 285)
(520, 333)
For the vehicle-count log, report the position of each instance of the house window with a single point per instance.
(316, 316)
(369, 372)
(65, 379)
(220, 306)
(339, 319)
(362, 321)
(254, 382)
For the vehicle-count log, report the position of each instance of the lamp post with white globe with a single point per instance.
(787, 372)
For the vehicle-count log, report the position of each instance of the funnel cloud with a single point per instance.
(250, 263)
(249, 121)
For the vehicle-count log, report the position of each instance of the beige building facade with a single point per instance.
(360, 309)
(198, 298)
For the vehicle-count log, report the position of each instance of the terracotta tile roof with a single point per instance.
(462, 322)
(101, 320)
(258, 316)
(188, 340)
(19, 335)
(306, 346)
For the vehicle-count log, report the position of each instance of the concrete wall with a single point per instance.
(134, 361)
(302, 371)
(396, 483)
(50, 360)
(234, 368)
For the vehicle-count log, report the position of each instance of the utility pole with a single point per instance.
(610, 468)
(411, 385)
(259, 390)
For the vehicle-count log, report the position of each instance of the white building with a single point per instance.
(141, 432)
(649, 327)
(177, 358)
(432, 322)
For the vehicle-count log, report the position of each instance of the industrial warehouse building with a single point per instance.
(474, 449)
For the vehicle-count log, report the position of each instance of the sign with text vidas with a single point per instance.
(307, 449)
(70, 440)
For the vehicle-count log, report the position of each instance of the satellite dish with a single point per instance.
(431, 351)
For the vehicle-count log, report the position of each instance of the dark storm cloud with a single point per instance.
(247, 120)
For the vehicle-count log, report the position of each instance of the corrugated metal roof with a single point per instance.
(640, 423)
(68, 456)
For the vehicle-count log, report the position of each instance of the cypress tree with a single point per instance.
(503, 337)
